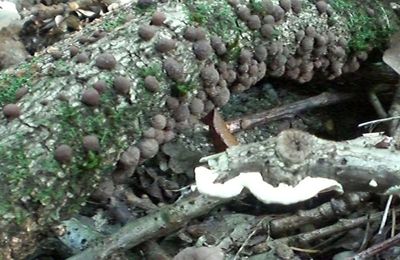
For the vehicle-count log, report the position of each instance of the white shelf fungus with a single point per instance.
(263, 191)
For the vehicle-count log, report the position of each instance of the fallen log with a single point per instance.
(93, 103)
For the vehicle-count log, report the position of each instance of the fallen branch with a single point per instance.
(321, 100)
(304, 239)
(158, 224)
(326, 212)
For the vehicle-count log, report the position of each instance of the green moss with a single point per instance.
(105, 123)
(153, 69)
(182, 89)
(366, 31)
(61, 68)
(144, 9)
(234, 49)
(110, 25)
(10, 83)
(217, 16)
(257, 7)
(50, 186)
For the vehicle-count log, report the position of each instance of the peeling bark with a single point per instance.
(38, 188)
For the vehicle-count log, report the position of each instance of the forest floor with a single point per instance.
(329, 226)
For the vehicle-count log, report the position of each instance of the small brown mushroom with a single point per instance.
(164, 45)
(91, 97)
(147, 32)
(158, 18)
(82, 58)
(63, 153)
(194, 34)
(73, 51)
(11, 111)
(122, 85)
(159, 121)
(91, 143)
(130, 158)
(100, 86)
(106, 61)
(148, 148)
(202, 49)
(173, 69)
(21, 92)
(151, 83)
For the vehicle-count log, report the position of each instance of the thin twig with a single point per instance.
(378, 121)
(385, 214)
(340, 226)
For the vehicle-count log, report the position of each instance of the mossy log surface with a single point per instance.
(233, 46)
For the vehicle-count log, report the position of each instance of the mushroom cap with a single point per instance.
(63, 153)
(159, 121)
(202, 49)
(21, 92)
(11, 111)
(106, 61)
(129, 158)
(122, 85)
(100, 86)
(164, 45)
(194, 34)
(182, 113)
(148, 147)
(169, 135)
(322, 6)
(254, 22)
(151, 83)
(158, 18)
(91, 97)
(296, 6)
(149, 132)
(196, 106)
(82, 57)
(91, 143)
(147, 32)
(174, 69)
(209, 75)
(73, 50)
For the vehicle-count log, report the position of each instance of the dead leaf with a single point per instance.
(222, 138)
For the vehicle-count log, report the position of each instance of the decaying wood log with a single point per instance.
(90, 104)
(362, 164)
(289, 157)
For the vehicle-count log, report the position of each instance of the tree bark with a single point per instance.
(49, 157)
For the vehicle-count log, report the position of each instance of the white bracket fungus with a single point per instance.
(263, 191)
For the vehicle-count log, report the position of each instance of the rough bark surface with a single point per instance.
(294, 155)
(191, 61)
